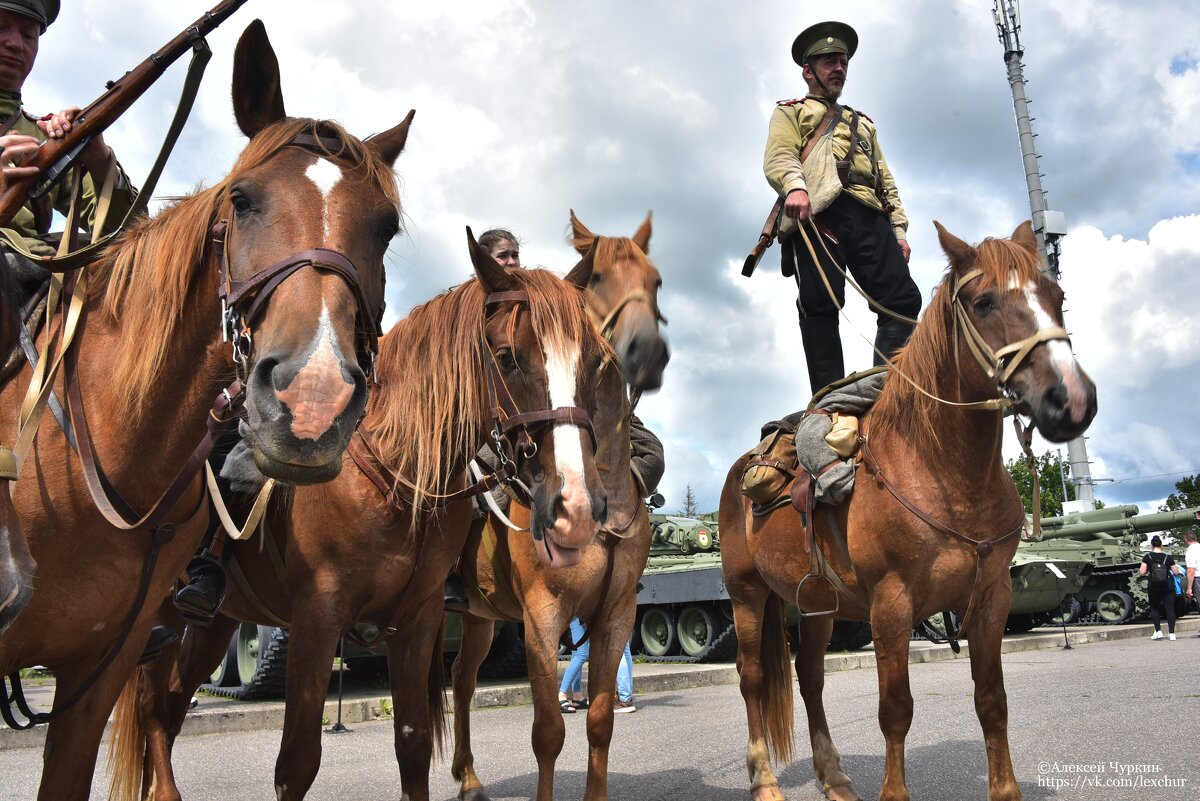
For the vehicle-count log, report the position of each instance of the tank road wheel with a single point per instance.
(697, 628)
(1114, 606)
(226, 674)
(1070, 612)
(658, 631)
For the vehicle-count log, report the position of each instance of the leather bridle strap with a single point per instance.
(258, 288)
(608, 323)
(982, 548)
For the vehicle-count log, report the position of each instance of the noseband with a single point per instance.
(243, 301)
(609, 323)
(507, 417)
(999, 365)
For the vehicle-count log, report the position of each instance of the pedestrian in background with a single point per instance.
(570, 692)
(1160, 586)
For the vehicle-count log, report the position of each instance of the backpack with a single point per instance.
(1160, 574)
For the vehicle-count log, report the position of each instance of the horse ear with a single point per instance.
(641, 237)
(581, 237)
(958, 251)
(492, 276)
(389, 144)
(257, 96)
(1024, 234)
(581, 273)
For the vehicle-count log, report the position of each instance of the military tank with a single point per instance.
(1113, 540)
(684, 612)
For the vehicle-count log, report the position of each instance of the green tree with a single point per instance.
(1050, 481)
(689, 508)
(1186, 496)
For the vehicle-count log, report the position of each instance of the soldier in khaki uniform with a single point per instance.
(22, 22)
(864, 227)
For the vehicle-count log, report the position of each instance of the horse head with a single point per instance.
(544, 359)
(622, 294)
(1009, 319)
(304, 232)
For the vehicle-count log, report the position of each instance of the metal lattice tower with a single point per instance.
(1048, 226)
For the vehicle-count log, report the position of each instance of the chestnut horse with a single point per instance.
(152, 357)
(932, 503)
(514, 578)
(364, 548)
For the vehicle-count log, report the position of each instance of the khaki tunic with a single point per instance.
(793, 124)
(22, 228)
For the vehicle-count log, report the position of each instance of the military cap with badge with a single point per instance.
(822, 38)
(44, 11)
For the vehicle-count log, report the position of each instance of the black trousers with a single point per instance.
(867, 247)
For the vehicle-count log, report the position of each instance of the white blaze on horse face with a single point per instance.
(319, 392)
(325, 174)
(1060, 355)
(562, 372)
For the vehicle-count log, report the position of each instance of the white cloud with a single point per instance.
(526, 109)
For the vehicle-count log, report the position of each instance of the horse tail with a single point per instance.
(127, 748)
(437, 690)
(775, 702)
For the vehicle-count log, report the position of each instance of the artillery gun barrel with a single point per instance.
(1137, 524)
(1110, 514)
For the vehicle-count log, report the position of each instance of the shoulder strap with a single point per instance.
(833, 109)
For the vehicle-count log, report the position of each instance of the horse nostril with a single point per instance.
(1056, 397)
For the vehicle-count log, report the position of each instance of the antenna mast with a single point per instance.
(1048, 226)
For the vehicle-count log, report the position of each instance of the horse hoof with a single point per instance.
(768, 792)
(476, 794)
(843, 792)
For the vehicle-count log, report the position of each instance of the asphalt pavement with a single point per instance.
(1111, 719)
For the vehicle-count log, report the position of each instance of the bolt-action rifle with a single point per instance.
(56, 155)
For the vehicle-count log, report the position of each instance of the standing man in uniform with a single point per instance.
(865, 226)
(22, 23)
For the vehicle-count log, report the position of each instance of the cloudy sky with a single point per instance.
(614, 108)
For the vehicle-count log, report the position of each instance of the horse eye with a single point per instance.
(658, 284)
(985, 304)
(596, 280)
(389, 230)
(506, 359)
(241, 206)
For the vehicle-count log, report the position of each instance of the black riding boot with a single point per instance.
(454, 594)
(160, 637)
(890, 337)
(822, 351)
(201, 597)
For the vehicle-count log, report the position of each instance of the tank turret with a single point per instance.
(1114, 541)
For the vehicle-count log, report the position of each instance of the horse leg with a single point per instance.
(891, 625)
(73, 738)
(541, 655)
(317, 624)
(418, 694)
(166, 696)
(476, 641)
(810, 672)
(607, 651)
(984, 639)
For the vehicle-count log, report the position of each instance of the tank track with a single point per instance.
(721, 649)
(269, 680)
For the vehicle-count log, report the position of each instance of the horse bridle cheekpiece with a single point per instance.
(508, 418)
(999, 365)
(242, 302)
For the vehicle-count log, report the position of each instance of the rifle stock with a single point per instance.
(56, 154)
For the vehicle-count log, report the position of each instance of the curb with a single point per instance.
(237, 716)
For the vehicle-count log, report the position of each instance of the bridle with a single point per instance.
(507, 417)
(1000, 364)
(243, 301)
(607, 324)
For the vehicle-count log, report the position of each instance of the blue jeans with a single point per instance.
(572, 680)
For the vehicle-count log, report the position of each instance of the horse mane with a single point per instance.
(432, 404)
(901, 407)
(143, 280)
